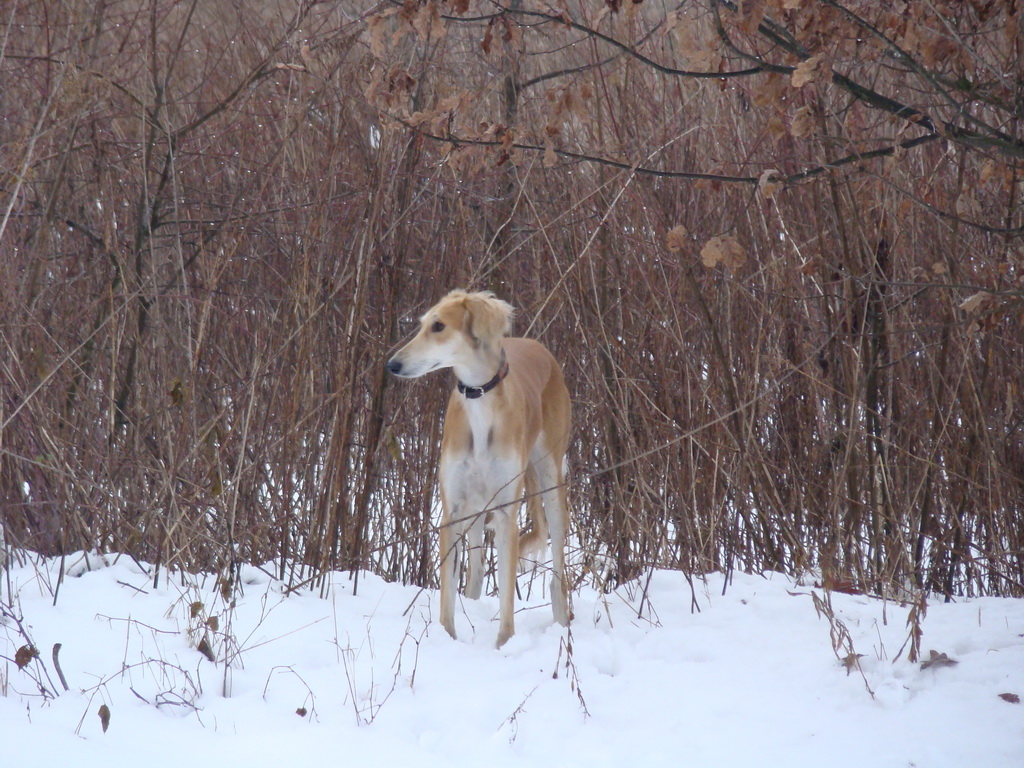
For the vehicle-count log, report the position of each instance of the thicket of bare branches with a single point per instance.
(778, 246)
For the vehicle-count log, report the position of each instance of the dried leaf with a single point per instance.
(301, 711)
(725, 250)
(852, 661)
(485, 44)
(416, 119)
(216, 483)
(394, 447)
(967, 205)
(803, 123)
(376, 27)
(976, 302)
(428, 23)
(24, 655)
(808, 71)
(770, 182)
(987, 170)
(750, 12)
(677, 238)
(771, 90)
(696, 54)
(206, 649)
(511, 34)
(810, 267)
(104, 713)
(776, 127)
(687, 39)
(1012, 698)
(672, 20)
(176, 391)
(306, 54)
(550, 156)
(937, 659)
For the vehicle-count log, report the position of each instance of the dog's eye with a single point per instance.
(437, 327)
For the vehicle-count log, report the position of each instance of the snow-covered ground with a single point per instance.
(750, 679)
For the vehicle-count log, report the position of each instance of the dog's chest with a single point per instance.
(479, 475)
(478, 472)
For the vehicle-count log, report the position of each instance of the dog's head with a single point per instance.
(455, 332)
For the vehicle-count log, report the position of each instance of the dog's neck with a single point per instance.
(472, 392)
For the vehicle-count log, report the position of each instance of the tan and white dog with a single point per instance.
(506, 431)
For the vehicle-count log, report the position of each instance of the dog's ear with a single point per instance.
(487, 318)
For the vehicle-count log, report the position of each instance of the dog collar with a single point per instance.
(472, 393)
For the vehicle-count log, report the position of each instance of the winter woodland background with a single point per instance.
(777, 244)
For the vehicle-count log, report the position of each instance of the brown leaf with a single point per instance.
(976, 302)
(967, 205)
(550, 156)
(810, 267)
(1012, 698)
(695, 53)
(771, 90)
(851, 661)
(808, 71)
(987, 170)
(485, 44)
(936, 659)
(104, 714)
(686, 39)
(24, 655)
(750, 12)
(428, 23)
(306, 54)
(677, 238)
(770, 182)
(510, 34)
(416, 119)
(776, 127)
(725, 250)
(376, 27)
(206, 649)
(803, 123)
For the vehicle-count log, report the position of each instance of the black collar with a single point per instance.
(472, 393)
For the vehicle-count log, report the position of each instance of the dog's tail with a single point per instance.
(533, 542)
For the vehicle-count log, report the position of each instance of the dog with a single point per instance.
(506, 431)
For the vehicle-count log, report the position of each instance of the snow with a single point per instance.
(640, 678)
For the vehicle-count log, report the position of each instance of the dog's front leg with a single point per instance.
(451, 555)
(506, 545)
(475, 558)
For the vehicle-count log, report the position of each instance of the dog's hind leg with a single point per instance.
(532, 543)
(551, 477)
